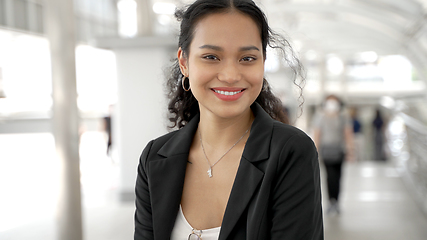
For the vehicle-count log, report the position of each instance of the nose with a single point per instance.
(229, 73)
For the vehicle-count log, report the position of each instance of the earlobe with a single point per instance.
(182, 62)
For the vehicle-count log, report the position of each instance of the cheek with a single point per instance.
(199, 74)
(256, 76)
(198, 77)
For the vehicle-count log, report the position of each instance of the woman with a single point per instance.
(333, 135)
(230, 171)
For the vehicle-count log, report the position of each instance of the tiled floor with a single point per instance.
(374, 201)
(375, 204)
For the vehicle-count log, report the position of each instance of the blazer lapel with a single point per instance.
(167, 176)
(248, 175)
(247, 179)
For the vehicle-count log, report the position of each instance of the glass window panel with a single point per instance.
(25, 63)
(2, 13)
(39, 18)
(21, 14)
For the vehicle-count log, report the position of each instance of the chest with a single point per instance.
(205, 198)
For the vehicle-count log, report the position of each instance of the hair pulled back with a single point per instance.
(183, 106)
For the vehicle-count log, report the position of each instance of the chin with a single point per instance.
(228, 113)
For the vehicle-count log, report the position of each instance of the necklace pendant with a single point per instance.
(210, 172)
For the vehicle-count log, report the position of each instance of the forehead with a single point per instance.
(230, 28)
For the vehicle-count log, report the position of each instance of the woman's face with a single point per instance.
(225, 64)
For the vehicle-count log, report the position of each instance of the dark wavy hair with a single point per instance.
(183, 106)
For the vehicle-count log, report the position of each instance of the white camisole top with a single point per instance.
(183, 229)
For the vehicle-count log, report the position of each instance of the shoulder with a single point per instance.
(152, 147)
(158, 143)
(285, 133)
(277, 133)
(291, 144)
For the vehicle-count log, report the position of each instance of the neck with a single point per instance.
(220, 132)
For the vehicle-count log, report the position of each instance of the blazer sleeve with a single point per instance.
(143, 216)
(296, 208)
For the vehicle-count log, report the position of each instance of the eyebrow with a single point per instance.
(217, 48)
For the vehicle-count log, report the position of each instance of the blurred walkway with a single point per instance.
(374, 202)
(28, 186)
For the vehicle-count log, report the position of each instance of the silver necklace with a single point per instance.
(211, 166)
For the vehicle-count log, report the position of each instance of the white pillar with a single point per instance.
(144, 17)
(59, 19)
(141, 111)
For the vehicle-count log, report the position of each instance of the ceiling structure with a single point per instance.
(347, 27)
(340, 27)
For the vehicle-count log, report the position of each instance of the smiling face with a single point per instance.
(225, 64)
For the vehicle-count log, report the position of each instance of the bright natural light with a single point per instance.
(27, 80)
(368, 57)
(396, 70)
(96, 78)
(24, 175)
(127, 18)
(164, 8)
(26, 73)
(272, 63)
(335, 65)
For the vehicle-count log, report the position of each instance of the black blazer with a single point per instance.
(276, 192)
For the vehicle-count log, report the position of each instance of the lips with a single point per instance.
(228, 94)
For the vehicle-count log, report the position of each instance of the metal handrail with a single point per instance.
(414, 123)
(412, 156)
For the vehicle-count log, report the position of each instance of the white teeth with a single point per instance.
(227, 93)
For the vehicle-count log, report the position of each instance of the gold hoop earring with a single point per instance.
(183, 84)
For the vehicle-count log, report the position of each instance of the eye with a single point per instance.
(248, 59)
(210, 57)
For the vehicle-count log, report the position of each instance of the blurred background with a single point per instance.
(82, 92)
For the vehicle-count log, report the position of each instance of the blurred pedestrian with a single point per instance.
(108, 129)
(358, 135)
(333, 135)
(378, 124)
